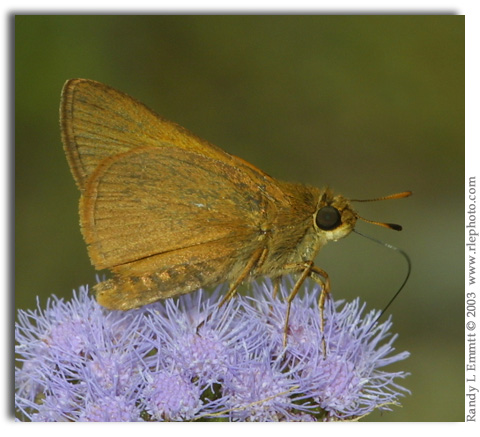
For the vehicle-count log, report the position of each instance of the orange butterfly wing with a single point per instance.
(98, 122)
(166, 211)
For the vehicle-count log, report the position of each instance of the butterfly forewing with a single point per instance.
(99, 122)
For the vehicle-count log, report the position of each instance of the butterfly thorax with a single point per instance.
(292, 236)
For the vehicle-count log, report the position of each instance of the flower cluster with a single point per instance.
(188, 359)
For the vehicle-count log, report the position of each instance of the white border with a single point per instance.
(9, 7)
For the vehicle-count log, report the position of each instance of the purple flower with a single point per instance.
(189, 359)
(170, 395)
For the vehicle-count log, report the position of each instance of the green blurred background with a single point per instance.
(370, 105)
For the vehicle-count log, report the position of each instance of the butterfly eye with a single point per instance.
(328, 218)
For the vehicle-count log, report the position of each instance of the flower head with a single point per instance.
(189, 359)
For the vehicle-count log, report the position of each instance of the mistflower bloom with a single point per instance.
(188, 359)
(170, 395)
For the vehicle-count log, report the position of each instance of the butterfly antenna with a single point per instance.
(392, 226)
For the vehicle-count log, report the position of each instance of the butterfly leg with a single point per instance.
(257, 256)
(293, 293)
(276, 286)
(254, 260)
(321, 278)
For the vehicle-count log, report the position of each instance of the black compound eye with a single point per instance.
(328, 218)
